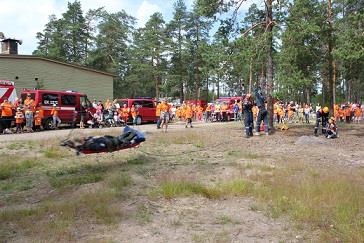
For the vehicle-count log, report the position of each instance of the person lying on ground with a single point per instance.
(105, 143)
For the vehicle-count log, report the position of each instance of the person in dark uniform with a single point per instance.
(263, 113)
(322, 116)
(248, 113)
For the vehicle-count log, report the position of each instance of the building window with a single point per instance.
(68, 99)
(50, 99)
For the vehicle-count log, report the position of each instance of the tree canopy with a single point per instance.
(303, 50)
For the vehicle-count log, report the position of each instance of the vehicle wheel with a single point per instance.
(139, 120)
(48, 125)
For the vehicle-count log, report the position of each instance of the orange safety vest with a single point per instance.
(6, 109)
(54, 111)
(41, 112)
(134, 112)
(164, 107)
(37, 120)
(19, 117)
(189, 112)
(158, 110)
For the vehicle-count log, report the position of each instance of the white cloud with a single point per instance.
(22, 19)
(145, 10)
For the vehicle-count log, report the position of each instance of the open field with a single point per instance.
(206, 184)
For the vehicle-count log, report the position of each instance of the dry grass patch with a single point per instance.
(184, 187)
(332, 202)
(198, 139)
(57, 220)
(11, 166)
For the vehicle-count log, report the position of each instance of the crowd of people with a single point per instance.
(28, 116)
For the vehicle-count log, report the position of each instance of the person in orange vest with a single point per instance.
(164, 110)
(28, 114)
(189, 115)
(218, 112)
(199, 111)
(125, 114)
(208, 112)
(358, 113)
(178, 113)
(40, 110)
(347, 113)
(322, 116)
(224, 110)
(37, 121)
(158, 114)
(108, 104)
(54, 114)
(134, 114)
(19, 120)
(6, 115)
(29, 101)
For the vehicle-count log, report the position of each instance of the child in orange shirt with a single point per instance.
(37, 121)
(19, 119)
(358, 113)
(54, 114)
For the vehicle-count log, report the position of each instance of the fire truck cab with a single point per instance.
(68, 104)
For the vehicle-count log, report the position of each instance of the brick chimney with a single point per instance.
(10, 46)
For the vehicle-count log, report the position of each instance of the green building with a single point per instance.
(29, 72)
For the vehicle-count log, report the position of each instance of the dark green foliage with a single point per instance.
(215, 49)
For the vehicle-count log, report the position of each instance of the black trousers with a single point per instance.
(248, 122)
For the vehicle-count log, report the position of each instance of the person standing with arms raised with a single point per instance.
(263, 113)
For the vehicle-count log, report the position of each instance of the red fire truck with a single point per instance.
(146, 109)
(68, 104)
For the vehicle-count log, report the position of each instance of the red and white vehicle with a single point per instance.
(146, 109)
(7, 90)
(67, 102)
(230, 101)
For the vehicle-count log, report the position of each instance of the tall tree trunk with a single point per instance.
(330, 60)
(269, 28)
(251, 75)
(181, 88)
(334, 82)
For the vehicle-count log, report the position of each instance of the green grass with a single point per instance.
(14, 146)
(13, 166)
(118, 182)
(244, 154)
(56, 220)
(143, 215)
(224, 219)
(183, 188)
(16, 184)
(76, 175)
(332, 203)
(54, 153)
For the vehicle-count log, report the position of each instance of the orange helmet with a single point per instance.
(325, 109)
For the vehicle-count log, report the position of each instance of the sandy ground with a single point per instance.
(197, 219)
(63, 133)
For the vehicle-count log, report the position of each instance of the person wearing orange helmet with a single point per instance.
(322, 116)
(248, 115)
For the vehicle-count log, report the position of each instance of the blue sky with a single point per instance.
(22, 19)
